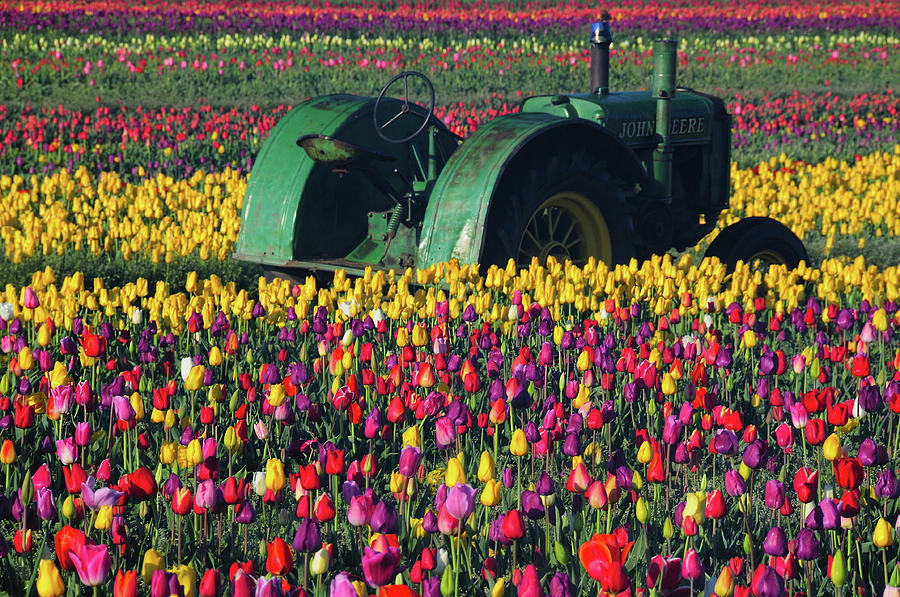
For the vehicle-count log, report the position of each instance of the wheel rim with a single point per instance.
(566, 226)
(768, 257)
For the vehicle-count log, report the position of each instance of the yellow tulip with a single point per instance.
(167, 452)
(187, 578)
(137, 403)
(49, 582)
(518, 446)
(668, 384)
(194, 452)
(215, 356)
(640, 510)
(26, 358)
(645, 453)
(499, 587)
(412, 438)
(455, 473)
(884, 534)
(275, 479)
(490, 495)
(276, 395)
(486, 467)
(831, 449)
(103, 522)
(194, 379)
(153, 561)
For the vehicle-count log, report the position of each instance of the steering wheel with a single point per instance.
(405, 108)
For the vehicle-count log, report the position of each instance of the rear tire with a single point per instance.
(758, 238)
(567, 206)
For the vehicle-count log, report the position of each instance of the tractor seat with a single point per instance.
(340, 155)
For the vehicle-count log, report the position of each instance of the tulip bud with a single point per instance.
(668, 528)
(838, 569)
(447, 582)
(640, 510)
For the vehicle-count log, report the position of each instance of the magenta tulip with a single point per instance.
(92, 562)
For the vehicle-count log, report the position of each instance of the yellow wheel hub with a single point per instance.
(768, 257)
(566, 226)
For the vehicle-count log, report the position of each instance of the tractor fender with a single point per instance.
(459, 206)
(279, 176)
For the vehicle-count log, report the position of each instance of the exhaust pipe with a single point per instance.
(663, 90)
(601, 38)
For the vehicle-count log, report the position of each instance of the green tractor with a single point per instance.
(352, 182)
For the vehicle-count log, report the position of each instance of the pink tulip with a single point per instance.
(30, 299)
(92, 562)
(360, 511)
(66, 451)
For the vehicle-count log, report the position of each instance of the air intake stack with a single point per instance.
(601, 38)
(663, 90)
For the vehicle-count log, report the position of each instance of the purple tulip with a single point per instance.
(244, 512)
(384, 519)
(768, 583)
(429, 522)
(431, 587)
(734, 483)
(379, 566)
(46, 504)
(672, 430)
(572, 445)
(532, 506)
(307, 539)
(886, 487)
(544, 484)
(755, 454)
(410, 458)
(561, 586)
(775, 543)
(95, 499)
(774, 494)
(725, 442)
(868, 452)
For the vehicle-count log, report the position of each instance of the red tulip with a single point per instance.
(579, 479)
(141, 484)
(530, 585)
(806, 482)
(323, 509)
(513, 526)
(280, 558)
(182, 501)
(848, 472)
(603, 557)
(74, 476)
(125, 584)
(68, 540)
(210, 583)
(815, 432)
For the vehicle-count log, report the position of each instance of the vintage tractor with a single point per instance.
(346, 181)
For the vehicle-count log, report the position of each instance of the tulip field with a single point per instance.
(173, 424)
